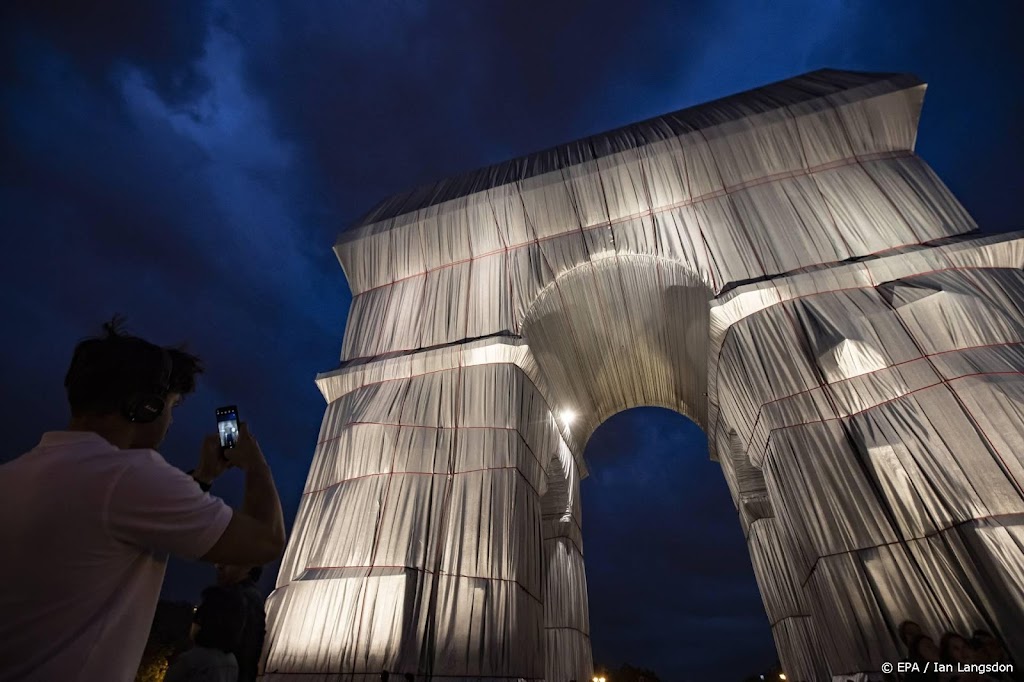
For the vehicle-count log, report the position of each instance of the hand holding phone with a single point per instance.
(246, 453)
(212, 462)
(237, 446)
(227, 426)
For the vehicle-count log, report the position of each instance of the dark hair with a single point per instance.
(255, 573)
(904, 626)
(220, 617)
(107, 371)
(945, 649)
(914, 648)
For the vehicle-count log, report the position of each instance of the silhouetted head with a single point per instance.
(989, 648)
(232, 575)
(923, 649)
(219, 619)
(909, 631)
(125, 388)
(954, 649)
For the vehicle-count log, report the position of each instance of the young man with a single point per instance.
(91, 514)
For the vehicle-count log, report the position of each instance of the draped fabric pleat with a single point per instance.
(780, 267)
(811, 171)
(417, 543)
(887, 419)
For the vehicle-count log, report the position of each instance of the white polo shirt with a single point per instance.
(85, 531)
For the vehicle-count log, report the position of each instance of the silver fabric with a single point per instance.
(885, 416)
(778, 266)
(810, 171)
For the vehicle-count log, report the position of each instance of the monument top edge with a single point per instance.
(826, 87)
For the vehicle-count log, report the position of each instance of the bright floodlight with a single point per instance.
(782, 676)
(567, 417)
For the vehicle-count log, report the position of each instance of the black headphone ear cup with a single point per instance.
(143, 408)
(130, 408)
(150, 407)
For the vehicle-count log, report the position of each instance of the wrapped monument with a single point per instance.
(780, 267)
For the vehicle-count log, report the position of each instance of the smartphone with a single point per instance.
(227, 426)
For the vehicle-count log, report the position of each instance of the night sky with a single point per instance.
(190, 164)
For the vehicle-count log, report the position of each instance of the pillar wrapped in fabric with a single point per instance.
(780, 267)
(800, 651)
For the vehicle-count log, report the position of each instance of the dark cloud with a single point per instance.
(164, 38)
(189, 164)
(488, 81)
(183, 211)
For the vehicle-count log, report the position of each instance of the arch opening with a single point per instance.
(668, 570)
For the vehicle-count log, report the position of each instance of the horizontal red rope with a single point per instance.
(822, 387)
(905, 541)
(607, 224)
(425, 473)
(567, 627)
(439, 428)
(890, 400)
(442, 574)
(802, 270)
(725, 339)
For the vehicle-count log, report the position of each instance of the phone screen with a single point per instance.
(227, 425)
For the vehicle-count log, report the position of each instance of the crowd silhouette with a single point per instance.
(978, 658)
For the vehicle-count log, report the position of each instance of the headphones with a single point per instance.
(145, 407)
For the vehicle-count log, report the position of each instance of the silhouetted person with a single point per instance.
(955, 649)
(909, 631)
(254, 631)
(922, 651)
(990, 650)
(409, 677)
(384, 675)
(93, 512)
(216, 631)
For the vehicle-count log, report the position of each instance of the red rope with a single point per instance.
(418, 569)
(849, 161)
(421, 473)
(924, 356)
(904, 541)
(725, 337)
